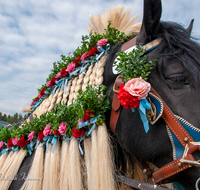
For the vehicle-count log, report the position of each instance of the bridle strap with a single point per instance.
(182, 135)
(172, 122)
(184, 138)
(137, 184)
(116, 106)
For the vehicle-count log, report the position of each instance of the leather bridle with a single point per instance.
(163, 174)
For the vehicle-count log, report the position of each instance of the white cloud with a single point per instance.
(33, 34)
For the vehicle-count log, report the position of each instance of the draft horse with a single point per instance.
(176, 79)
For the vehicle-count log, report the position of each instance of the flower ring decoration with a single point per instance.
(134, 69)
(133, 95)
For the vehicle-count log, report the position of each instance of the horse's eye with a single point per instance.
(178, 79)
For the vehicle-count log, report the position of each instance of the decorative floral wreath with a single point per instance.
(93, 48)
(134, 69)
(77, 120)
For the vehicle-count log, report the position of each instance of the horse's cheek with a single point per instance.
(126, 129)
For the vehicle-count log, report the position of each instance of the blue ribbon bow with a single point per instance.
(49, 139)
(144, 104)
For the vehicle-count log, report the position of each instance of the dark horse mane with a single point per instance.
(177, 45)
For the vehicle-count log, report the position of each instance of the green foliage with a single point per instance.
(134, 64)
(113, 35)
(93, 99)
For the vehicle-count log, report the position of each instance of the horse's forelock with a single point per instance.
(176, 44)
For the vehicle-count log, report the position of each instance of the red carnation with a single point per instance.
(41, 135)
(52, 82)
(63, 72)
(22, 142)
(56, 132)
(77, 61)
(36, 99)
(42, 92)
(78, 133)
(127, 100)
(9, 143)
(93, 51)
(87, 115)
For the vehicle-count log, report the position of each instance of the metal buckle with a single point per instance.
(186, 152)
(116, 91)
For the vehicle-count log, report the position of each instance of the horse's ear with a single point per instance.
(151, 20)
(189, 29)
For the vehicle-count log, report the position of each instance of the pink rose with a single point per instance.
(52, 82)
(42, 92)
(32, 103)
(138, 87)
(102, 42)
(62, 128)
(47, 130)
(70, 67)
(15, 140)
(1, 145)
(49, 83)
(84, 56)
(58, 75)
(31, 135)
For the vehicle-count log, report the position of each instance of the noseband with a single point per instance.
(177, 128)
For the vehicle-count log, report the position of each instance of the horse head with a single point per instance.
(176, 79)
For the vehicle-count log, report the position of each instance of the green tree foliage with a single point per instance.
(11, 119)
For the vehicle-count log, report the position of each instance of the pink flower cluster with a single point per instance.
(62, 128)
(138, 87)
(15, 140)
(70, 67)
(102, 42)
(47, 130)
(1, 145)
(31, 135)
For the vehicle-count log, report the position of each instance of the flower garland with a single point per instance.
(134, 69)
(93, 48)
(77, 120)
(80, 118)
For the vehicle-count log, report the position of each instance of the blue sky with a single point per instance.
(33, 34)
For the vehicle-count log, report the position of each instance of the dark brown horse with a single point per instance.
(175, 78)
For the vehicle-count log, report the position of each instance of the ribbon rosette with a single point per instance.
(133, 95)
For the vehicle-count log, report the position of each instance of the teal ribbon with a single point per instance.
(79, 143)
(144, 104)
(37, 143)
(67, 138)
(49, 139)
(87, 123)
(30, 149)
(5, 150)
(15, 149)
(103, 51)
(54, 89)
(83, 67)
(83, 124)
